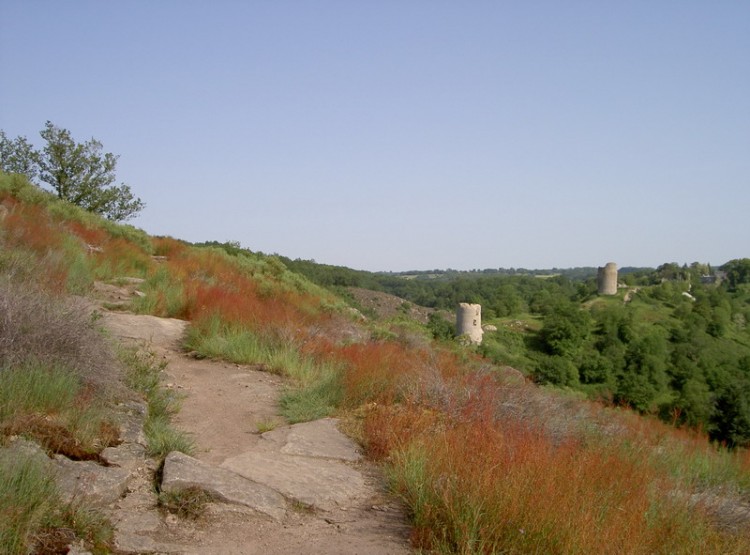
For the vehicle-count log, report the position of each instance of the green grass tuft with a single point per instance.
(186, 503)
(47, 403)
(143, 376)
(33, 513)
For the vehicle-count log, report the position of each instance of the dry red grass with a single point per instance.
(30, 227)
(122, 258)
(388, 428)
(505, 487)
(168, 246)
(95, 237)
(490, 482)
(214, 286)
(378, 372)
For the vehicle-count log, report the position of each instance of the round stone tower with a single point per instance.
(469, 322)
(606, 279)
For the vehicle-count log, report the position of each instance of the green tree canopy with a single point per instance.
(80, 173)
(17, 156)
(564, 329)
(738, 271)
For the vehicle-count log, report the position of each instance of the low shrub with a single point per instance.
(37, 326)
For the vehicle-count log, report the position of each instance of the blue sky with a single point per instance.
(397, 135)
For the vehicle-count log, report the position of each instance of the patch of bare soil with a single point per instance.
(336, 502)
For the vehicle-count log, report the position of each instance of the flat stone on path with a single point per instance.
(323, 484)
(306, 462)
(319, 438)
(182, 472)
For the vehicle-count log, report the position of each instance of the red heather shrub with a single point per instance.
(213, 285)
(233, 305)
(475, 398)
(243, 306)
(29, 227)
(205, 265)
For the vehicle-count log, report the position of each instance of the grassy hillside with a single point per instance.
(485, 461)
(667, 344)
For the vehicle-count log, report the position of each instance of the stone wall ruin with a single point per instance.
(606, 279)
(469, 322)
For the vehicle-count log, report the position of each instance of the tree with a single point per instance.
(17, 156)
(738, 272)
(81, 174)
(564, 330)
(555, 370)
(78, 172)
(440, 327)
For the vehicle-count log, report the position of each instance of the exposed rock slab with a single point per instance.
(306, 462)
(19, 447)
(324, 484)
(127, 455)
(183, 472)
(89, 482)
(319, 438)
(144, 329)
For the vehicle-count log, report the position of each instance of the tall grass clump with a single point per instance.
(377, 371)
(28, 228)
(18, 186)
(118, 258)
(74, 245)
(20, 189)
(482, 472)
(687, 455)
(56, 373)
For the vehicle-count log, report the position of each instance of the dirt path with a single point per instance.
(334, 501)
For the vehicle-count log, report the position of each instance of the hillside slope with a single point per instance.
(483, 460)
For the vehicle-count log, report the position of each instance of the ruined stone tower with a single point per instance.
(606, 279)
(469, 322)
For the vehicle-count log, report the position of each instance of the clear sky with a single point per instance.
(398, 134)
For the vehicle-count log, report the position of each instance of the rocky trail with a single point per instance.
(293, 489)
